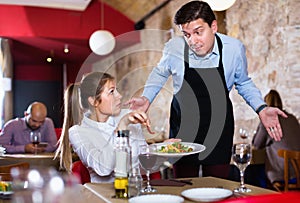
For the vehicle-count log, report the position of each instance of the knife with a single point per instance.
(183, 181)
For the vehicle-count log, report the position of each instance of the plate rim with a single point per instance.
(6, 192)
(181, 199)
(207, 199)
(192, 144)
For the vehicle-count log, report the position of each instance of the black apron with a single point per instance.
(221, 154)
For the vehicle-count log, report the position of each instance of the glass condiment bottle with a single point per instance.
(122, 164)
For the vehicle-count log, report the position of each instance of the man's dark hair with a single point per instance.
(193, 11)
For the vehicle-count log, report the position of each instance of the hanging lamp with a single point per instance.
(102, 42)
(220, 5)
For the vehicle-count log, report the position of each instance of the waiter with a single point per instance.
(205, 65)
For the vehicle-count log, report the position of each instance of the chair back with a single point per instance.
(80, 170)
(291, 162)
(58, 132)
(5, 170)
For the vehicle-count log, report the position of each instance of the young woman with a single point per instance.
(93, 139)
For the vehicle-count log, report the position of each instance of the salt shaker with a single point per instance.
(135, 182)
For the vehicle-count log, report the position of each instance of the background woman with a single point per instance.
(290, 140)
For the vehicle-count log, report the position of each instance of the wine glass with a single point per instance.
(35, 138)
(148, 162)
(243, 133)
(241, 156)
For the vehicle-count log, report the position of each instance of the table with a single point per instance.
(88, 196)
(83, 195)
(105, 191)
(43, 159)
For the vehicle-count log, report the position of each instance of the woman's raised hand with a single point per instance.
(140, 117)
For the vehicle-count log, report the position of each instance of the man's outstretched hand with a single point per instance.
(269, 118)
(138, 103)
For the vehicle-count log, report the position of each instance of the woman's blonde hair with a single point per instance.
(72, 116)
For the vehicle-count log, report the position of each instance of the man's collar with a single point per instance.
(215, 49)
(25, 125)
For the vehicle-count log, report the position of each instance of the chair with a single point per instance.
(58, 132)
(80, 170)
(291, 162)
(5, 171)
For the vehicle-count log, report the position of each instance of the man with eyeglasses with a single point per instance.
(15, 135)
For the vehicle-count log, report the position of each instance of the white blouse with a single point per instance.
(94, 144)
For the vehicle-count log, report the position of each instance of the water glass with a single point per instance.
(241, 156)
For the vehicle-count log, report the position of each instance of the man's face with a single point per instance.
(34, 121)
(199, 36)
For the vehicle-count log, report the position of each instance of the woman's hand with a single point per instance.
(135, 117)
(172, 140)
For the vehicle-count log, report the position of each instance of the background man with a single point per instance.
(15, 135)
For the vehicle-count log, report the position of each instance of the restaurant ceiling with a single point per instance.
(33, 44)
(79, 5)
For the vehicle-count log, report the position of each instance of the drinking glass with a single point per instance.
(241, 156)
(243, 133)
(135, 182)
(35, 138)
(148, 163)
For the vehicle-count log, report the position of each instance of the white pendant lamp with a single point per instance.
(220, 5)
(102, 42)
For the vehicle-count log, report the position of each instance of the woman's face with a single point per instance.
(199, 36)
(110, 102)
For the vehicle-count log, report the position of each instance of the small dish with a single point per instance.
(206, 194)
(156, 198)
(6, 192)
(2, 150)
(6, 189)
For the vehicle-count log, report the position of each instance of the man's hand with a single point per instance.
(269, 118)
(138, 103)
(31, 148)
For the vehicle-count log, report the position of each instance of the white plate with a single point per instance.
(159, 198)
(6, 192)
(2, 149)
(206, 194)
(197, 148)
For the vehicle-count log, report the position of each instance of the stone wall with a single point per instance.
(270, 30)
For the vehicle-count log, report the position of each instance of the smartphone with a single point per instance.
(43, 144)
